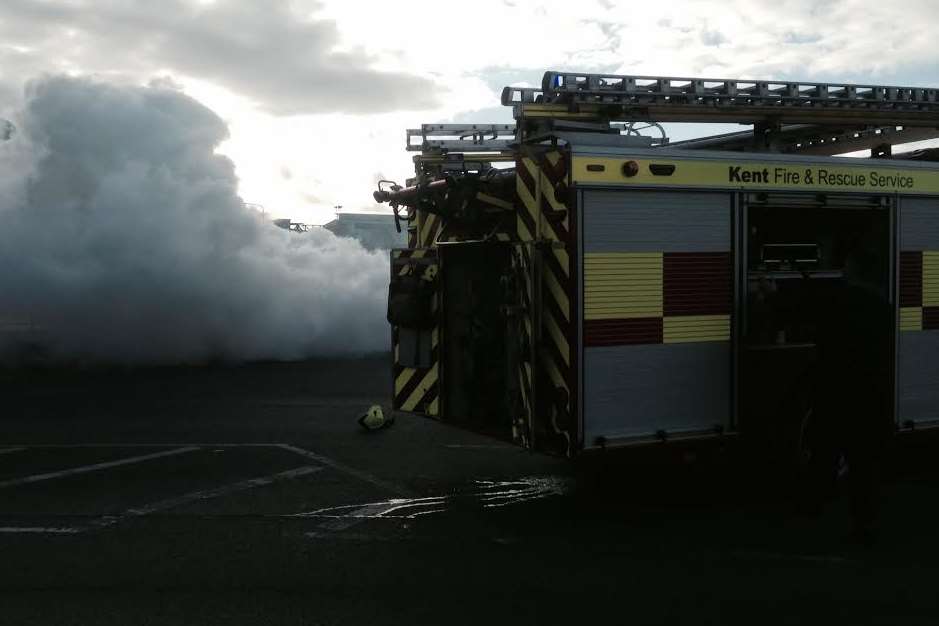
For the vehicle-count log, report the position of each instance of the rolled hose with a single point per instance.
(408, 195)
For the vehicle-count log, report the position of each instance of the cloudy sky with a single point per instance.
(317, 94)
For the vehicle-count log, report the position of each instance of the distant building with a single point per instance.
(287, 224)
(373, 230)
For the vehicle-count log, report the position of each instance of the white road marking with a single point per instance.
(206, 494)
(319, 458)
(170, 444)
(338, 522)
(359, 513)
(39, 530)
(10, 450)
(324, 460)
(35, 478)
(351, 471)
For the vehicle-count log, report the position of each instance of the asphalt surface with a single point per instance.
(249, 495)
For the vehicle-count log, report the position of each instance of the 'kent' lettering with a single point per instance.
(736, 174)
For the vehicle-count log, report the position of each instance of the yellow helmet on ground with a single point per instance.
(374, 419)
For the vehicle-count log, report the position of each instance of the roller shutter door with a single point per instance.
(918, 358)
(657, 299)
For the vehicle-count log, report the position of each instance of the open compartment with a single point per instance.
(477, 346)
(802, 254)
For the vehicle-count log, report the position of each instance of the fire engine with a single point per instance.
(575, 281)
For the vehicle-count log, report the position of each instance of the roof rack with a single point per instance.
(461, 137)
(565, 95)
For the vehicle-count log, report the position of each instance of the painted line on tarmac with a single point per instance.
(205, 494)
(363, 513)
(39, 530)
(351, 471)
(10, 450)
(35, 478)
(324, 460)
(171, 444)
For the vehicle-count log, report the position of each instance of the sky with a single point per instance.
(317, 94)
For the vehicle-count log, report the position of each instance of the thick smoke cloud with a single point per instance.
(122, 237)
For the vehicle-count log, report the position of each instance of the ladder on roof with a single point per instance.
(480, 139)
(461, 137)
(575, 96)
(792, 117)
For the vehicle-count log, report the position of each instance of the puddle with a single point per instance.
(494, 494)
(395, 508)
(485, 493)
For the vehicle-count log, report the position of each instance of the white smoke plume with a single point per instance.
(123, 240)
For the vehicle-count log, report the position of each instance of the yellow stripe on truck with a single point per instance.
(403, 378)
(696, 328)
(623, 285)
(418, 394)
(911, 319)
(868, 177)
(930, 278)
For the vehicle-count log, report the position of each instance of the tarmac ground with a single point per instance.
(250, 495)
